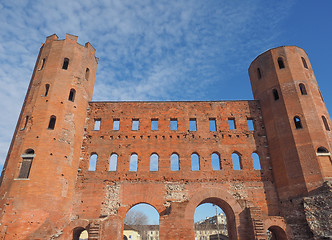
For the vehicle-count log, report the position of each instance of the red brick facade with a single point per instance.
(59, 196)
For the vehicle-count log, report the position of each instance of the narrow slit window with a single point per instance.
(236, 159)
(275, 94)
(250, 123)
(174, 124)
(256, 161)
(215, 160)
(303, 89)
(192, 124)
(297, 122)
(326, 125)
(135, 125)
(154, 158)
(47, 88)
(195, 162)
(281, 63)
(133, 162)
(259, 74)
(154, 124)
(51, 123)
(231, 123)
(97, 124)
(25, 122)
(65, 64)
(175, 166)
(25, 168)
(93, 162)
(113, 162)
(87, 74)
(304, 63)
(42, 63)
(72, 94)
(116, 124)
(212, 124)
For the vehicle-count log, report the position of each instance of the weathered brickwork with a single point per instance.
(52, 186)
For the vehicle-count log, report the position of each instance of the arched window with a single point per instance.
(133, 162)
(80, 233)
(237, 163)
(93, 162)
(281, 63)
(42, 63)
(87, 74)
(297, 122)
(256, 161)
(275, 94)
(72, 94)
(304, 63)
(175, 166)
(154, 158)
(195, 162)
(322, 150)
(47, 87)
(215, 160)
(51, 124)
(113, 162)
(303, 89)
(65, 63)
(259, 74)
(326, 125)
(27, 158)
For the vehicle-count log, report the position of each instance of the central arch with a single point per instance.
(223, 200)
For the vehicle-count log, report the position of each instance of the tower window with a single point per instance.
(192, 124)
(237, 162)
(47, 87)
(116, 124)
(195, 162)
(87, 73)
(93, 162)
(154, 158)
(281, 63)
(297, 122)
(174, 124)
(133, 162)
(175, 166)
(154, 124)
(72, 95)
(304, 63)
(326, 125)
(97, 124)
(275, 94)
(65, 63)
(135, 125)
(42, 63)
(51, 124)
(256, 161)
(322, 150)
(25, 122)
(113, 162)
(231, 123)
(259, 74)
(27, 158)
(212, 124)
(303, 89)
(250, 123)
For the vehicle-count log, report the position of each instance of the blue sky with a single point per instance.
(161, 50)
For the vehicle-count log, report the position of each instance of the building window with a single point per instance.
(192, 124)
(237, 163)
(154, 158)
(154, 124)
(212, 124)
(97, 124)
(42, 63)
(72, 94)
(25, 123)
(47, 88)
(303, 89)
(93, 162)
(135, 125)
(281, 63)
(133, 162)
(27, 158)
(250, 123)
(113, 162)
(256, 161)
(195, 162)
(275, 94)
(326, 125)
(116, 124)
(297, 122)
(322, 151)
(215, 160)
(304, 63)
(87, 74)
(174, 124)
(175, 166)
(65, 64)
(51, 124)
(259, 74)
(231, 123)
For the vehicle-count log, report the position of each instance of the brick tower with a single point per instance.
(297, 124)
(39, 175)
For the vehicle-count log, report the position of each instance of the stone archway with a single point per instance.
(277, 233)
